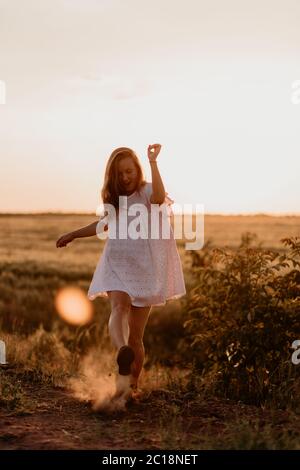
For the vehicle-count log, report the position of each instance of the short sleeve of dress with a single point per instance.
(168, 201)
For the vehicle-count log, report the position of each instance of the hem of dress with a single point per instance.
(97, 294)
(104, 294)
(173, 297)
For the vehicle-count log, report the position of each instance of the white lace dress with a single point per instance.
(148, 269)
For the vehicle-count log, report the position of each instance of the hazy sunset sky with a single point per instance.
(211, 81)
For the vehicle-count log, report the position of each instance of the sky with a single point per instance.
(215, 82)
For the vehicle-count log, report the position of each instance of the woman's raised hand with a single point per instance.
(64, 240)
(153, 151)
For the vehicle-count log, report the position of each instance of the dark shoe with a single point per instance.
(124, 359)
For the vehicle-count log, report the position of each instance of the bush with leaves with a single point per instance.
(243, 316)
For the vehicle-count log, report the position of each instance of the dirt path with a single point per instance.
(53, 419)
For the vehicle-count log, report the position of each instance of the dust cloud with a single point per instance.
(99, 384)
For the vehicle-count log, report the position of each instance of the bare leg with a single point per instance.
(119, 333)
(118, 322)
(137, 319)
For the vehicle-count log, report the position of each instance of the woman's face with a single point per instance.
(128, 174)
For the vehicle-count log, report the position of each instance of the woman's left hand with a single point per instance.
(152, 155)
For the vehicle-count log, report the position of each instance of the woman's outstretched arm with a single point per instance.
(87, 231)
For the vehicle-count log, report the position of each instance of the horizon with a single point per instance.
(248, 214)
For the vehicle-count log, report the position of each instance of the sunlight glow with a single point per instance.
(73, 306)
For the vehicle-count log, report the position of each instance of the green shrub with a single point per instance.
(243, 316)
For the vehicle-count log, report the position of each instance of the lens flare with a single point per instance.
(73, 306)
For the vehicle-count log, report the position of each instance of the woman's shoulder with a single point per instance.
(146, 188)
(145, 184)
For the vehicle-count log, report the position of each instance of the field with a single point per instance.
(207, 383)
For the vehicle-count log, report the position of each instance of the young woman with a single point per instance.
(134, 273)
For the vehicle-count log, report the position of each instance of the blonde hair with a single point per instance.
(111, 189)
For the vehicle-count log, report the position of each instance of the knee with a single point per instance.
(117, 313)
(120, 309)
